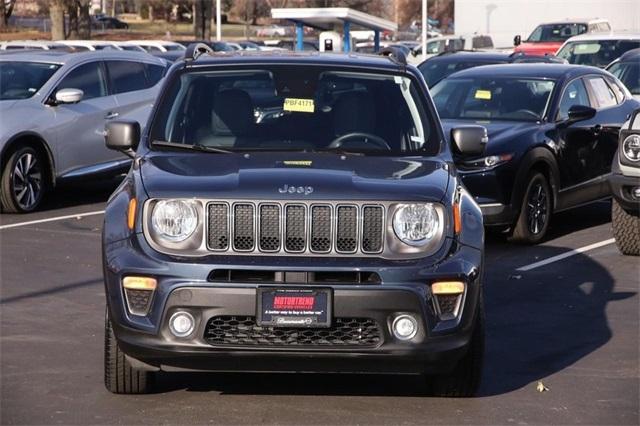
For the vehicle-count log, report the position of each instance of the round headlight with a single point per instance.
(415, 224)
(631, 147)
(174, 220)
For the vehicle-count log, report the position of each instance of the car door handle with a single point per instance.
(111, 115)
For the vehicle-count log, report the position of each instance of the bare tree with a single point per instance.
(56, 13)
(6, 9)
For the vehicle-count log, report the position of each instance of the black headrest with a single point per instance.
(232, 113)
(354, 112)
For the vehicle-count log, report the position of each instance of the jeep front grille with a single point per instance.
(295, 228)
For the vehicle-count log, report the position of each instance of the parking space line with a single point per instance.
(565, 255)
(51, 219)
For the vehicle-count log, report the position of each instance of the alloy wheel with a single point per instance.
(26, 182)
(537, 208)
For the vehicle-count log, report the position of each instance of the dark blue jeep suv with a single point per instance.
(293, 212)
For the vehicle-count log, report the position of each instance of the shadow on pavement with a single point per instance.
(77, 193)
(538, 325)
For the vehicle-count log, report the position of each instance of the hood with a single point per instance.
(541, 48)
(499, 132)
(6, 105)
(317, 176)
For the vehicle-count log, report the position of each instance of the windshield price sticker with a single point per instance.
(483, 94)
(299, 105)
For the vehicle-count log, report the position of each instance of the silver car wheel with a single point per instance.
(27, 181)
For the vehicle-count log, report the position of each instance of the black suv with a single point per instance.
(293, 212)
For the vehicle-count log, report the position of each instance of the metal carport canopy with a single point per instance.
(327, 17)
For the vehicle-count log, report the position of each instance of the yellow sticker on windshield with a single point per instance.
(299, 105)
(483, 94)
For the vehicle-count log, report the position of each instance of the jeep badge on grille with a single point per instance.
(306, 190)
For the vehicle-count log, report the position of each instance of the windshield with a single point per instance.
(503, 98)
(556, 32)
(629, 74)
(597, 53)
(22, 80)
(299, 108)
(436, 70)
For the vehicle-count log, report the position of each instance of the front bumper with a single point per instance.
(183, 285)
(621, 189)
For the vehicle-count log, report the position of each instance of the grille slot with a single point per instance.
(347, 229)
(269, 227)
(218, 227)
(372, 229)
(296, 229)
(243, 227)
(321, 229)
(243, 331)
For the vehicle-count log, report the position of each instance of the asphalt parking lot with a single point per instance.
(572, 324)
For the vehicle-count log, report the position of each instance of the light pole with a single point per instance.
(218, 21)
(424, 29)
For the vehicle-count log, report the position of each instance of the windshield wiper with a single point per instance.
(339, 151)
(200, 148)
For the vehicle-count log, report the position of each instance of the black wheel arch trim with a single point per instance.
(534, 157)
(33, 135)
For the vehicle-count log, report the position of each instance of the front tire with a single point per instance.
(626, 230)
(535, 212)
(119, 375)
(464, 380)
(23, 181)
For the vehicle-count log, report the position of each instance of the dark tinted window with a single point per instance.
(89, 78)
(22, 80)
(597, 53)
(154, 73)
(574, 94)
(556, 32)
(127, 76)
(629, 74)
(436, 70)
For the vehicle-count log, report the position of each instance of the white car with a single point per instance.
(598, 50)
(438, 45)
(272, 31)
(156, 46)
(32, 45)
(91, 45)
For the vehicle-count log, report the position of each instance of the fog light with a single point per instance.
(181, 324)
(636, 192)
(404, 327)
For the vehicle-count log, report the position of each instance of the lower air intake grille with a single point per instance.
(138, 301)
(243, 331)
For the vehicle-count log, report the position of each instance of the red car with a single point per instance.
(547, 38)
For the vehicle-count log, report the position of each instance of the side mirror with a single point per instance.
(517, 40)
(414, 52)
(68, 96)
(122, 136)
(580, 113)
(469, 140)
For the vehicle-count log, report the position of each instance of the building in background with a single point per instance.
(503, 19)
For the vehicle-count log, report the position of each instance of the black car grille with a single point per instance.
(243, 331)
(295, 228)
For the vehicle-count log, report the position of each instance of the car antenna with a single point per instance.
(395, 55)
(195, 50)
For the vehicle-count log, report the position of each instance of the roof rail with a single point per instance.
(195, 50)
(396, 55)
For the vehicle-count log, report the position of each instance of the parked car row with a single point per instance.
(54, 107)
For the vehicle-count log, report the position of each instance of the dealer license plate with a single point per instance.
(294, 308)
